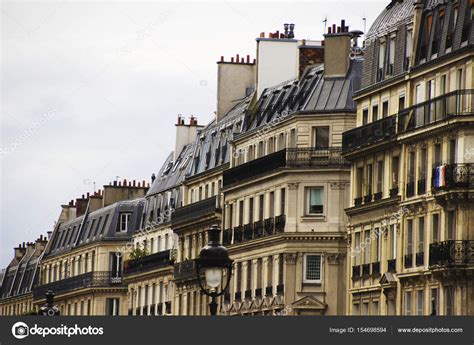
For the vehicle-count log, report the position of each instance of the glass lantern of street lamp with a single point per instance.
(212, 261)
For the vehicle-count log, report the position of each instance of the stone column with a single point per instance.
(275, 275)
(292, 201)
(254, 276)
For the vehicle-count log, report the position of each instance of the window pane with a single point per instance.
(322, 137)
(313, 267)
(316, 200)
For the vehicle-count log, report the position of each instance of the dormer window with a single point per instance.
(409, 47)
(391, 59)
(382, 50)
(124, 221)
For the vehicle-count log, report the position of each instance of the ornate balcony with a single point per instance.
(408, 261)
(269, 291)
(420, 259)
(280, 222)
(185, 270)
(358, 201)
(451, 254)
(460, 102)
(376, 268)
(248, 294)
(204, 208)
(378, 196)
(381, 130)
(392, 265)
(238, 296)
(410, 189)
(280, 289)
(365, 270)
(159, 308)
(227, 237)
(297, 158)
(453, 176)
(437, 109)
(160, 259)
(368, 198)
(258, 292)
(269, 225)
(421, 187)
(394, 192)
(82, 281)
(248, 232)
(258, 228)
(356, 271)
(238, 234)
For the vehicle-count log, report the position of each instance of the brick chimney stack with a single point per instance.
(337, 48)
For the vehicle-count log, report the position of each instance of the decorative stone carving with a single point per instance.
(290, 258)
(293, 185)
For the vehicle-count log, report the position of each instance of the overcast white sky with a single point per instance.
(91, 91)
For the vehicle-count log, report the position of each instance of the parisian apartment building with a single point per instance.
(340, 171)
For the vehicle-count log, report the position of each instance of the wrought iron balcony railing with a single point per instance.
(297, 158)
(392, 265)
(148, 262)
(375, 268)
(258, 292)
(258, 229)
(420, 259)
(356, 271)
(280, 222)
(185, 270)
(437, 109)
(371, 133)
(460, 102)
(82, 281)
(452, 253)
(248, 232)
(394, 192)
(269, 291)
(280, 289)
(421, 187)
(207, 207)
(227, 237)
(452, 176)
(408, 261)
(238, 296)
(410, 189)
(365, 270)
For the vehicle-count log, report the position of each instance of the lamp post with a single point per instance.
(213, 260)
(49, 309)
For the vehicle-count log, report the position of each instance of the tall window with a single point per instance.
(321, 137)
(357, 248)
(379, 176)
(251, 219)
(359, 179)
(381, 65)
(401, 103)
(409, 236)
(375, 112)
(409, 47)
(241, 212)
(112, 305)
(282, 201)
(395, 169)
(423, 165)
(365, 117)
(450, 225)
(437, 154)
(434, 300)
(369, 180)
(421, 234)
(452, 151)
(391, 57)
(420, 296)
(385, 109)
(411, 167)
(272, 204)
(367, 247)
(435, 227)
(312, 268)
(408, 303)
(315, 200)
(393, 242)
(124, 222)
(260, 207)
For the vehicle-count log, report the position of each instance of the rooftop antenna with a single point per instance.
(365, 26)
(325, 21)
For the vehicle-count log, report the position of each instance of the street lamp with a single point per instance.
(213, 260)
(49, 309)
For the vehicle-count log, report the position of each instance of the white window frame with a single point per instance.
(313, 281)
(308, 200)
(127, 216)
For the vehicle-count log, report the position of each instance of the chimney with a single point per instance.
(19, 251)
(234, 80)
(81, 205)
(153, 178)
(277, 59)
(40, 243)
(185, 134)
(337, 46)
(309, 53)
(115, 193)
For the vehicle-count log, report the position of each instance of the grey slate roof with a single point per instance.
(100, 225)
(21, 276)
(312, 93)
(397, 12)
(212, 142)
